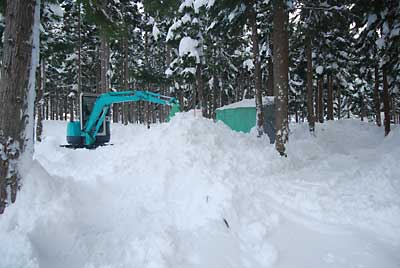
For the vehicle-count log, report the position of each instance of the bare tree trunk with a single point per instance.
(377, 102)
(200, 89)
(329, 115)
(362, 108)
(78, 63)
(47, 107)
(252, 18)
(103, 63)
(71, 108)
(270, 79)
(321, 100)
(310, 101)
(39, 104)
(281, 70)
(215, 95)
(17, 92)
(125, 78)
(339, 111)
(386, 102)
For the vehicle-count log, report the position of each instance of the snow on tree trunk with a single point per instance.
(17, 93)
(281, 69)
(252, 16)
(310, 102)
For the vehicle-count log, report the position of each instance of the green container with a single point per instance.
(238, 119)
(241, 116)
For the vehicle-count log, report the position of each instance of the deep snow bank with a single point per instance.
(193, 193)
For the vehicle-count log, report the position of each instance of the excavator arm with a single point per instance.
(104, 102)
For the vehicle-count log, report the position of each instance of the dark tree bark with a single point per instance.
(339, 97)
(362, 108)
(125, 78)
(39, 104)
(310, 101)
(377, 102)
(252, 19)
(270, 79)
(215, 95)
(281, 70)
(386, 103)
(321, 100)
(329, 115)
(16, 93)
(200, 89)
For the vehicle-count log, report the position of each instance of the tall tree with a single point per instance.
(252, 20)
(17, 91)
(281, 71)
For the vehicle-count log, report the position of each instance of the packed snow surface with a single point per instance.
(193, 193)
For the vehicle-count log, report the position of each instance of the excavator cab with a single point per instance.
(74, 137)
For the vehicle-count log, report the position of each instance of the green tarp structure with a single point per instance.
(241, 116)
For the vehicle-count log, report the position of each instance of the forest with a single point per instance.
(340, 58)
(176, 185)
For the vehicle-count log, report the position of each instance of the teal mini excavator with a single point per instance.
(93, 129)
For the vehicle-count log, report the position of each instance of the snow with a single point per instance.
(165, 196)
(319, 69)
(380, 43)
(185, 4)
(371, 19)
(172, 29)
(248, 64)
(189, 46)
(156, 32)
(245, 103)
(186, 18)
(56, 9)
(197, 4)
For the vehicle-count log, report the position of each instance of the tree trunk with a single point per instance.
(310, 101)
(103, 63)
(339, 97)
(39, 105)
(125, 78)
(215, 95)
(281, 70)
(270, 79)
(377, 102)
(329, 115)
(362, 108)
(252, 18)
(321, 100)
(17, 92)
(386, 103)
(200, 89)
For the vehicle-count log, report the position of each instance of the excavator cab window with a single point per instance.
(87, 102)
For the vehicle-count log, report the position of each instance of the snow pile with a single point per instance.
(193, 193)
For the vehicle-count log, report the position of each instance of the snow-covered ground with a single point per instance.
(193, 193)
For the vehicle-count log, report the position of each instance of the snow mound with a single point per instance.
(193, 193)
